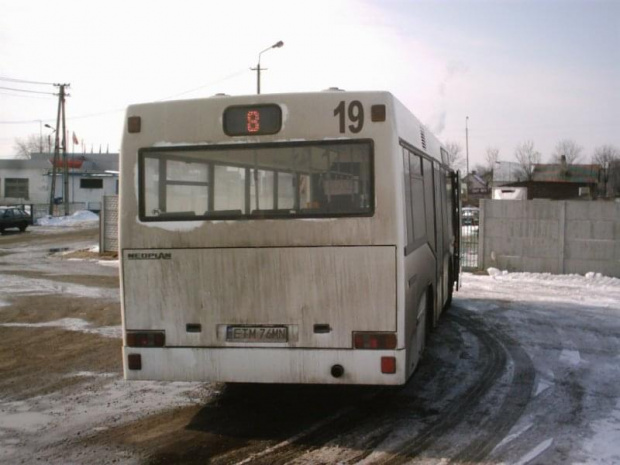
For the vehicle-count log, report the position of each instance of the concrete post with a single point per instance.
(561, 235)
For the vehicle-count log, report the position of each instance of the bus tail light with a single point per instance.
(146, 339)
(134, 124)
(388, 365)
(374, 341)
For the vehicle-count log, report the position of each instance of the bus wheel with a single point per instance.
(427, 306)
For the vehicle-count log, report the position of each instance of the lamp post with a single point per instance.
(49, 139)
(257, 69)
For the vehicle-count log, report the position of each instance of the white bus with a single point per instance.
(287, 238)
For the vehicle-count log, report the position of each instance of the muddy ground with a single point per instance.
(500, 383)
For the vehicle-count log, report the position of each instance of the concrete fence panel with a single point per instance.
(108, 220)
(550, 236)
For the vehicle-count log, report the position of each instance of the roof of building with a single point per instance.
(583, 174)
(475, 177)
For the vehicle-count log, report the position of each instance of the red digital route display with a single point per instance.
(252, 120)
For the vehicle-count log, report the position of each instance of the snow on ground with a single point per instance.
(102, 403)
(583, 312)
(19, 285)
(82, 218)
(592, 289)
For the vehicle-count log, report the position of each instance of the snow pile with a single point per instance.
(79, 218)
(591, 278)
(494, 272)
(594, 288)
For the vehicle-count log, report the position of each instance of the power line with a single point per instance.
(91, 115)
(25, 90)
(23, 96)
(225, 78)
(23, 81)
(48, 120)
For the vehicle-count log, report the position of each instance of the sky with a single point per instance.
(543, 70)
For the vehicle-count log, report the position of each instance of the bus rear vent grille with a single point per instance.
(423, 138)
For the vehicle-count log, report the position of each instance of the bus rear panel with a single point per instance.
(264, 238)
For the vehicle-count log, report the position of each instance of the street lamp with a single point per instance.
(49, 137)
(257, 69)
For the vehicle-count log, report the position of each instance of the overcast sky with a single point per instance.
(521, 70)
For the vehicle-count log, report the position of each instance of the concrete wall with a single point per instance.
(557, 237)
(108, 222)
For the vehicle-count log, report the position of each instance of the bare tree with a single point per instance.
(455, 158)
(608, 156)
(26, 146)
(491, 157)
(605, 154)
(569, 149)
(527, 157)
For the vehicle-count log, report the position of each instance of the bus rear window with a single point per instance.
(291, 180)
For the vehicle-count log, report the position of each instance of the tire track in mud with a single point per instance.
(513, 406)
(496, 348)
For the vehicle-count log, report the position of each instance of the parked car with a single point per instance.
(471, 216)
(14, 217)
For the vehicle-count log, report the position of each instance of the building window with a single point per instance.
(16, 188)
(91, 183)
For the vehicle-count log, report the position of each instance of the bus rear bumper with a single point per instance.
(264, 365)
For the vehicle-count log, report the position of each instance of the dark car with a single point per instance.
(14, 217)
(470, 216)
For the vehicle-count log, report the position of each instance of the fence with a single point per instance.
(559, 237)
(469, 238)
(108, 222)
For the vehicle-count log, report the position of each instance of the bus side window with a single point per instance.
(408, 209)
(429, 200)
(417, 198)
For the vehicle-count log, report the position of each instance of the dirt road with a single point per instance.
(501, 381)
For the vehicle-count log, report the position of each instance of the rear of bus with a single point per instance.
(259, 240)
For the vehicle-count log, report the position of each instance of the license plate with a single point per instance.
(257, 334)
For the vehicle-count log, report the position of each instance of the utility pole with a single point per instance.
(257, 69)
(57, 147)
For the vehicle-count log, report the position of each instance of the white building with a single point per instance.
(28, 181)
